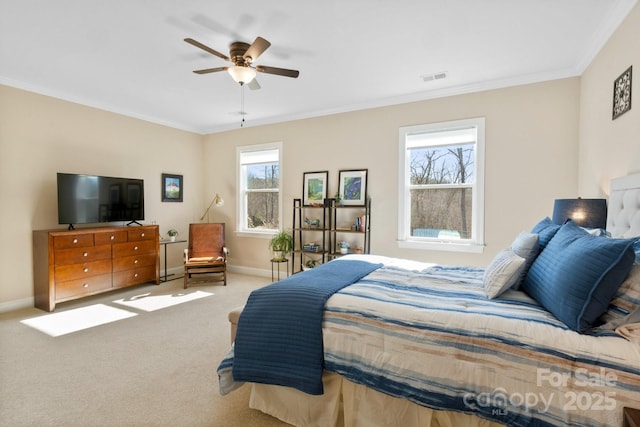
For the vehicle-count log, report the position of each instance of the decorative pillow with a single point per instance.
(577, 274)
(502, 273)
(545, 230)
(525, 246)
(597, 231)
(625, 306)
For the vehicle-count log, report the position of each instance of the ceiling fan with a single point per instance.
(242, 55)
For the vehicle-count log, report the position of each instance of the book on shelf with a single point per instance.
(311, 247)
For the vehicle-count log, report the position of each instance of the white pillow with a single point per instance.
(525, 245)
(502, 273)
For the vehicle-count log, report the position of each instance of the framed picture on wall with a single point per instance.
(352, 187)
(314, 188)
(172, 188)
(622, 93)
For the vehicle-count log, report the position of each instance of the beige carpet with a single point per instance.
(155, 367)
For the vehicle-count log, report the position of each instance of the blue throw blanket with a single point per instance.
(279, 337)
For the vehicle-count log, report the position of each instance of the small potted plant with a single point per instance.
(281, 245)
(309, 264)
(338, 199)
(344, 247)
(173, 233)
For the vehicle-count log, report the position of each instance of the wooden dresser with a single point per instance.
(631, 417)
(73, 264)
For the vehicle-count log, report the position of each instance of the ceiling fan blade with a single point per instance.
(253, 84)
(258, 46)
(207, 49)
(278, 71)
(210, 70)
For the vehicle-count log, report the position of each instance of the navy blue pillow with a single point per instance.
(577, 275)
(545, 230)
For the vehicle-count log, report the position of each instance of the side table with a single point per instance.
(631, 417)
(165, 243)
(277, 262)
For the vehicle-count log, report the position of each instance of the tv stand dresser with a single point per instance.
(76, 263)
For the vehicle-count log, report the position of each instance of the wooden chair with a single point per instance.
(205, 260)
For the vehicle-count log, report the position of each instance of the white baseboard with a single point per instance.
(248, 270)
(16, 304)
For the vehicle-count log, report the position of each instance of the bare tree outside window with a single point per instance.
(263, 181)
(441, 186)
(441, 179)
(259, 196)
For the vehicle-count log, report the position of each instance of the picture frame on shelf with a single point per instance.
(314, 188)
(352, 187)
(172, 187)
(622, 93)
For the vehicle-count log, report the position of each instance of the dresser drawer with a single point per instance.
(133, 248)
(79, 271)
(73, 241)
(111, 237)
(141, 233)
(82, 255)
(80, 287)
(129, 262)
(134, 276)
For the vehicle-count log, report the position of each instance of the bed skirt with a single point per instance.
(347, 404)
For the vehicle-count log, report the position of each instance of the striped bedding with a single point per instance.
(428, 334)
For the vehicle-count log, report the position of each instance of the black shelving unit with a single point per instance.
(305, 233)
(349, 223)
(334, 222)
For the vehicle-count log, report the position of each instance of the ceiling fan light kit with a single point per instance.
(242, 74)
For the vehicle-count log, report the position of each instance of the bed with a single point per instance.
(416, 344)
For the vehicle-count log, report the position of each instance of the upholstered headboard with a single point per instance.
(623, 213)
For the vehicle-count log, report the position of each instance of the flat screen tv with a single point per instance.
(87, 199)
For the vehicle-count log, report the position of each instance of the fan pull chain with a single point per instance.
(242, 113)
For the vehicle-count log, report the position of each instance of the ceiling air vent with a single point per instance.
(435, 76)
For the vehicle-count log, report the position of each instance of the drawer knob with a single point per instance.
(113, 237)
(135, 275)
(85, 254)
(75, 240)
(135, 261)
(86, 285)
(135, 248)
(86, 269)
(141, 234)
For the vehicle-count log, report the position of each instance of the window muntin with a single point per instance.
(259, 183)
(441, 185)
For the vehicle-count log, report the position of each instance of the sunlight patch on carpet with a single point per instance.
(150, 302)
(66, 322)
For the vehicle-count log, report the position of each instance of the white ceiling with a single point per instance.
(128, 56)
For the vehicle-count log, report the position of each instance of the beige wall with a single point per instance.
(610, 148)
(544, 141)
(40, 136)
(531, 146)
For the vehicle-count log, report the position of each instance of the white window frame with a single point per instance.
(476, 243)
(241, 217)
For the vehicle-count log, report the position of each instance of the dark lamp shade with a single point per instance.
(588, 213)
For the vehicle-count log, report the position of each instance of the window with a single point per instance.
(441, 186)
(260, 199)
